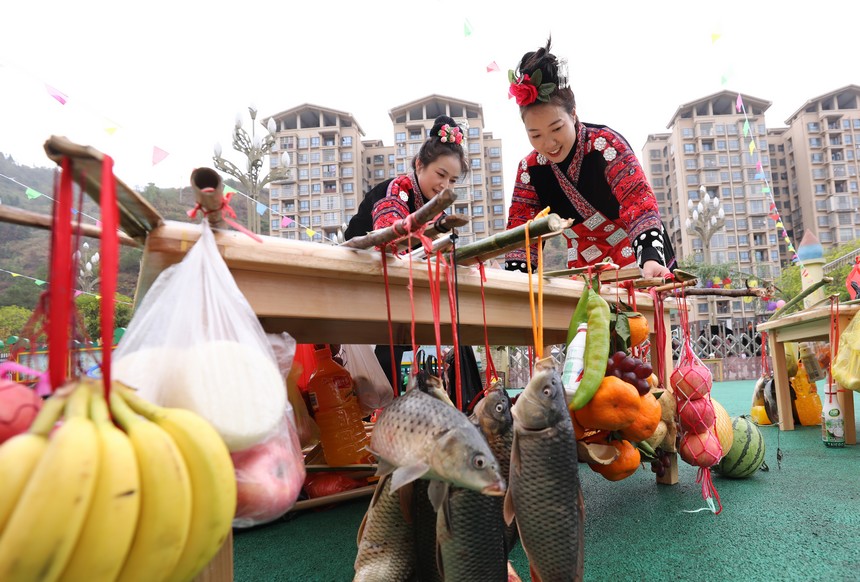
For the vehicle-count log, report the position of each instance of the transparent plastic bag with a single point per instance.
(372, 387)
(269, 476)
(194, 342)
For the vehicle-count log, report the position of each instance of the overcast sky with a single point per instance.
(174, 74)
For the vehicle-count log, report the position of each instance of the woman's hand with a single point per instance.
(654, 269)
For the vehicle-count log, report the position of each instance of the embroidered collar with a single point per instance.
(419, 195)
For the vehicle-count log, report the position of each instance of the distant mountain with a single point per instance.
(26, 250)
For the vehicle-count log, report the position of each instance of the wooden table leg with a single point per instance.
(780, 379)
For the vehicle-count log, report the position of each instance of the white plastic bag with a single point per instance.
(269, 477)
(372, 387)
(194, 342)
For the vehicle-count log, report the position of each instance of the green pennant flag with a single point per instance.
(467, 28)
(33, 194)
(39, 282)
(746, 128)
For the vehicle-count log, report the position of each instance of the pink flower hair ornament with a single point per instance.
(448, 134)
(528, 89)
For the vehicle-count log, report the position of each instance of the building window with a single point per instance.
(477, 210)
(476, 163)
(415, 134)
(345, 156)
(400, 136)
(315, 142)
(495, 152)
(346, 141)
(689, 148)
(474, 132)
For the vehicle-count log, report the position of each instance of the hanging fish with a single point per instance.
(544, 493)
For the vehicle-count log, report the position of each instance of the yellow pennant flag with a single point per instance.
(310, 232)
(752, 147)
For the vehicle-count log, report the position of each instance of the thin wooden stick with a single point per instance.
(421, 216)
(673, 286)
(21, 217)
(749, 292)
(515, 238)
(442, 226)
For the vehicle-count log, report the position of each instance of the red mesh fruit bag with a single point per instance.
(691, 381)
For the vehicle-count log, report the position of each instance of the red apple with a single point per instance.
(696, 415)
(701, 449)
(269, 477)
(692, 381)
(19, 405)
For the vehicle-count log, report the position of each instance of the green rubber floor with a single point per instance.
(800, 520)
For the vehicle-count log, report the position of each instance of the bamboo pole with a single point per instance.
(209, 193)
(749, 292)
(399, 229)
(34, 219)
(443, 243)
(509, 240)
(800, 297)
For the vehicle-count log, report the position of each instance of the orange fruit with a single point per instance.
(614, 405)
(639, 329)
(645, 423)
(625, 465)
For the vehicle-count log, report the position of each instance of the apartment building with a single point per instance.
(821, 148)
(333, 166)
(805, 174)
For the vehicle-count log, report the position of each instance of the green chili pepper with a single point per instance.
(579, 315)
(596, 351)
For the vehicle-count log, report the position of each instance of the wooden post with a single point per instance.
(783, 393)
(220, 569)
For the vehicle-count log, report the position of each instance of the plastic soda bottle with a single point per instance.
(574, 364)
(832, 421)
(336, 411)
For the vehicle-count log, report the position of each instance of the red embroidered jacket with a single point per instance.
(605, 171)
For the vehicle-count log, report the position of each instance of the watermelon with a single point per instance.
(747, 452)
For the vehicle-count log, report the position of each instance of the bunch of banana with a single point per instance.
(152, 500)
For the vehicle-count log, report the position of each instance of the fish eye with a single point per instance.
(547, 391)
(479, 461)
(500, 407)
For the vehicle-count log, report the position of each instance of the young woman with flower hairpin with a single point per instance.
(439, 164)
(582, 171)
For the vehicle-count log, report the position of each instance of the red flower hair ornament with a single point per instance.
(528, 89)
(448, 134)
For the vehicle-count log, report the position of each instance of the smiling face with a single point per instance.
(551, 130)
(441, 173)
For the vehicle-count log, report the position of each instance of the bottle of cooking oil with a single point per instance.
(336, 411)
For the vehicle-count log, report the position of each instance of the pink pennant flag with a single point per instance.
(286, 221)
(57, 94)
(758, 166)
(158, 154)
(77, 293)
(493, 67)
(99, 223)
(739, 104)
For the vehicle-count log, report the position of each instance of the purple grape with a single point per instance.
(627, 365)
(618, 357)
(644, 370)
(642, 387)
(629, 377)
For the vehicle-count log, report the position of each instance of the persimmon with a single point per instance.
(639, 329)
(623, 466)
(645, 423)
(615, 405)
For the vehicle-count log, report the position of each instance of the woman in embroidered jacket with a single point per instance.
(438, 165)
(582, 171)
